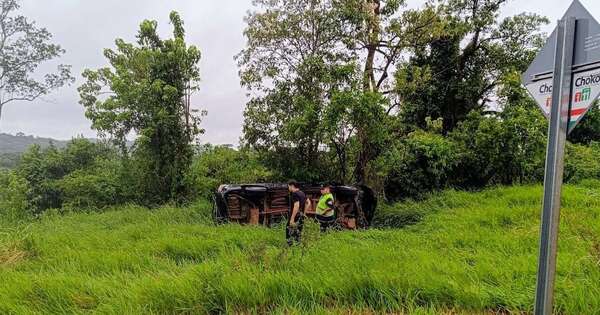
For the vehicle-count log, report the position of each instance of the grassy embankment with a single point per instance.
(470, 253)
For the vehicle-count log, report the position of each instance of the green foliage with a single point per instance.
(312, 67)
(149, 86)
(501, 150)
(302, 62)
(217, 165)
(23, 48)
(98, 186)
(355, 148)
(505, 148)
(582, 162)
(420, 163)
(462, 69)
(41, 169)
(80, 175)
(13, 196)
(588, 130)
(9, 160)
(471, 253)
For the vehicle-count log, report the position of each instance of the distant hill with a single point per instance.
(20, 143)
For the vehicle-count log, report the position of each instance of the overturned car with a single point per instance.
(268, 203)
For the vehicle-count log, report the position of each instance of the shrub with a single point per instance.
(93, 188)
(13, 196)
(421, 163)
(40, 168)
(82, 174)
(221, 165)
(503, 149)
(582, 162)
(588, 130)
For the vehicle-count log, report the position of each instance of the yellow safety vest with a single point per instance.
(322, 205)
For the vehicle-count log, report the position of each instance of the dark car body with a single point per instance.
(267, 203)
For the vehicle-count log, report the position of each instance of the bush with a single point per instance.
(82, 174)
(582, 162)
(40, 168)
(13, 196)
(588, 130)
(504, 149)
(483, 150)
(421, 163)
(221, 165)
(93, 188)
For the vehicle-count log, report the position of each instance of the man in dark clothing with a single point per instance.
(295, 223)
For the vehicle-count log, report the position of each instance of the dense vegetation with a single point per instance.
(460, 253)
(149, 85)
(328, 111)
(409, 102)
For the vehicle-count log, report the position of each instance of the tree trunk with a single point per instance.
(369, 77)
(362, 160)
(373, 33)
(369, 84)
(1, 115)
(341, 150)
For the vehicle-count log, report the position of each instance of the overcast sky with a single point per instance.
(85, 27)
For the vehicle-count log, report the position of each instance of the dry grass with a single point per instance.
(12, 254)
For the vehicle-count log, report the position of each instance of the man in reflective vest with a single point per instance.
(326, 208)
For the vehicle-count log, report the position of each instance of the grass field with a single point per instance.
(455, 253)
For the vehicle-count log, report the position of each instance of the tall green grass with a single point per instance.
(464, 253)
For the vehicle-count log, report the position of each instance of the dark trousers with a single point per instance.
(294, 233)
(325, 222)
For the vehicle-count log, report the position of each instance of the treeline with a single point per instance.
(407, 101)
(87, 176)
(404, 100)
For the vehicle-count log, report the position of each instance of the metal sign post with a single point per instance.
(564, 79)
(557, 134)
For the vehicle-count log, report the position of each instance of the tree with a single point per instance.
(302, 53)
(381, 32)
(293, 61)
(23, 47)
(442, 60)
(461, 70)
(147, 91)
(588, 129)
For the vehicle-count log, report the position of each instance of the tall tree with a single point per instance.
(301, 53)
(460, 70)
(293, 60)
(23, 47)
(147, 91)
(380, 32)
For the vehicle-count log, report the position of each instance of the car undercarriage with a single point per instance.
(269, 203)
